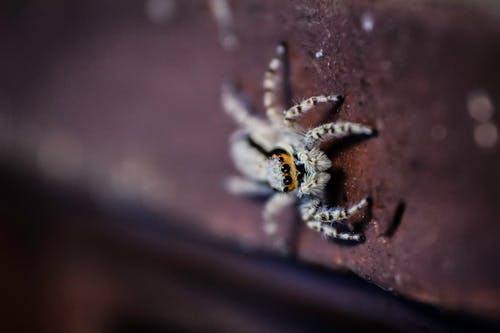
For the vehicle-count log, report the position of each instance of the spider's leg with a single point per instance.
(273, 206)
(236, 107)
(338, 214)
(242, 186)
(295, 112)
(338, 129)
(272, 79)
(310, 208)
(331, 231)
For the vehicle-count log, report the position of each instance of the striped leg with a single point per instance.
(319, 218)
(270, 83)
(339, 129)
(336, 214)
(295, 112)
(331, 232)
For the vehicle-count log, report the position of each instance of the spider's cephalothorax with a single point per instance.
(279, 159)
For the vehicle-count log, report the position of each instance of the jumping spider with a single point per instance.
(280, 159)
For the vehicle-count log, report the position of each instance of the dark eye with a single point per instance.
(281, 159)
(287, 180)
(285, 168)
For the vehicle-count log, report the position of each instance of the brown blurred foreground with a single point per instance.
(113, 149)
(70, 264)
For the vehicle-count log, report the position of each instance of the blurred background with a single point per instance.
(114, 149)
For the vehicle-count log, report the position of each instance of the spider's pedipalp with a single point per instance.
(314, 160)
(314, 184)
(338, 129)
(295, 112)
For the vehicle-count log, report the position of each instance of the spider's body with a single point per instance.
(280, 159)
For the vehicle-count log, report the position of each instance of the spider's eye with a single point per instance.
(281, 171)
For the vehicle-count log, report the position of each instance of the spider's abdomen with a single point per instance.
(282, 172)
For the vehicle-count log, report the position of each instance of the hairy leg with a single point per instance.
(331, 231)
(295, 112)
(339, 129)
(236, 107)
(336, 214)
(318, 218)
(272, 79)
